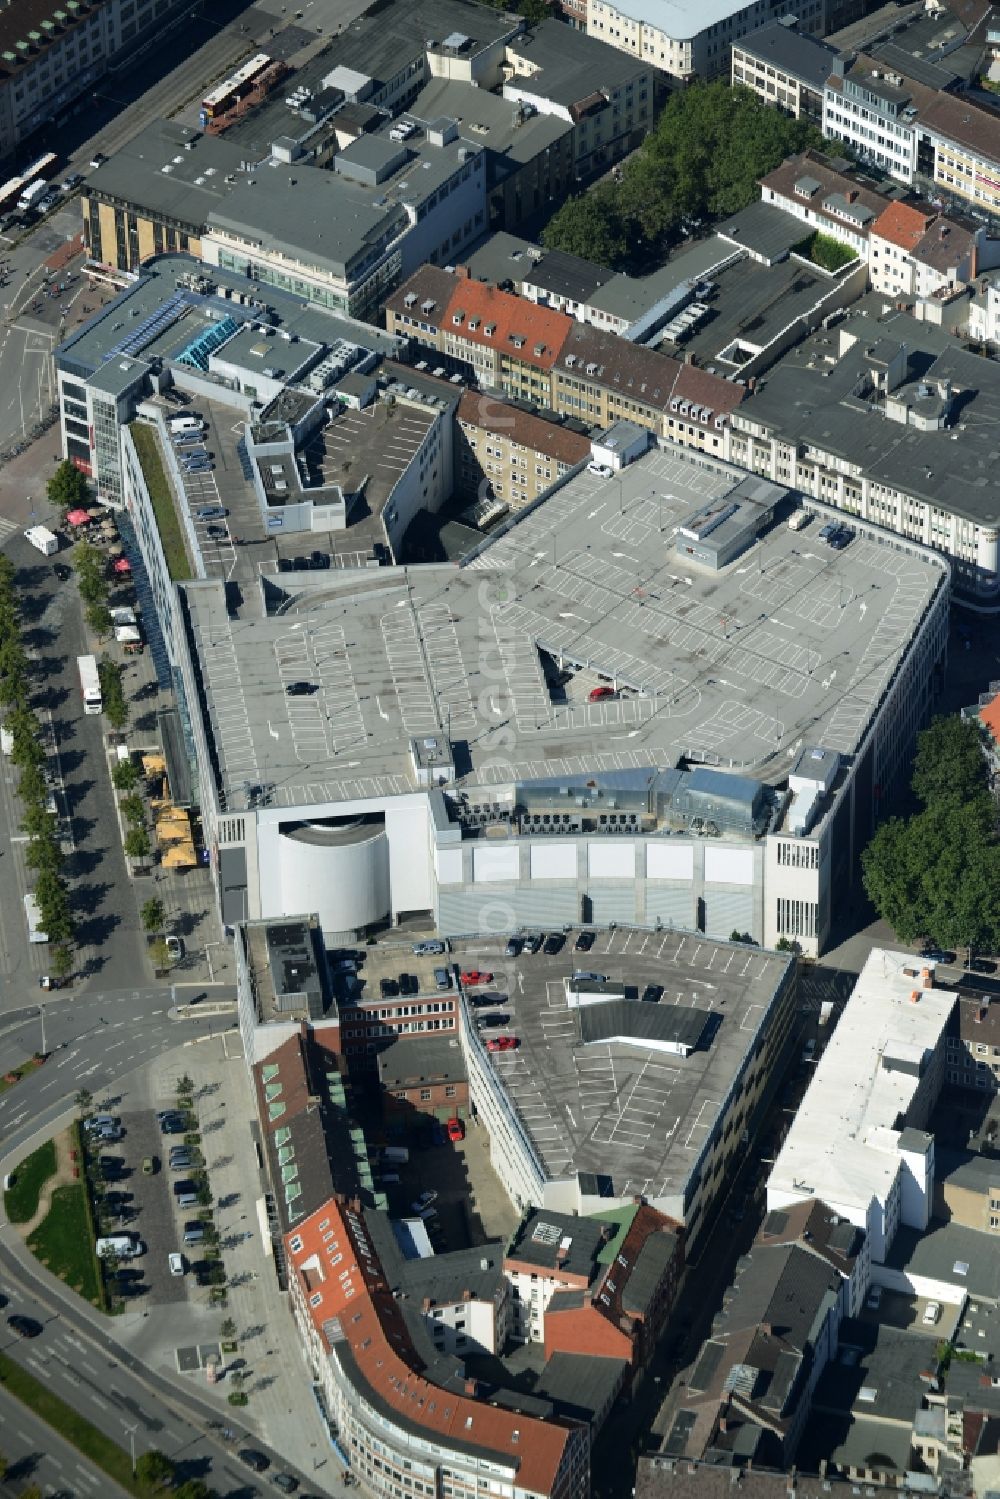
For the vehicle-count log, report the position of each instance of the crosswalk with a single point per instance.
(7, 528)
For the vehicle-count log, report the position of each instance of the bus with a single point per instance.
(15, 187)
(90, 684)
(232, 89)
(34, 920)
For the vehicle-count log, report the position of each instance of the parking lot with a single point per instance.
(471, 1207)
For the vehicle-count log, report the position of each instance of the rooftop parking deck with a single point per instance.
(791, 643)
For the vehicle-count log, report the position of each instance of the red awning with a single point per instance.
(78, 518)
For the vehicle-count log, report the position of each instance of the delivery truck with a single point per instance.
(42, 539)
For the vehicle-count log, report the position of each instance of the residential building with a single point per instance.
(510, 456)
(685, 40)
(669, 1477)
(984, 313)
(528, 152)
(785, 67)
(863, 1147)
(916, 131)
(403, 1410)
(422, 1077)
(967, 1189)
(607, 98)
(974, 1051)
(828, 195)
(915, 251)
(865, 415)
(750, 1393)
(51, 55)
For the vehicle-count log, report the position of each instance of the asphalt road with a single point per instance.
(81, 1364)
(37, 1454)
(110, 944)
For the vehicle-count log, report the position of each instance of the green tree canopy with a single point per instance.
(125, 776)
(702, 160)
(155, 1469)
(137, 843)
(67, 488)
(153, 915)
(950, 765)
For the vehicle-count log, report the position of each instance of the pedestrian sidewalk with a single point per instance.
(281, 1406)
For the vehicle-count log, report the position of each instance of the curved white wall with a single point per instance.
(347, 884)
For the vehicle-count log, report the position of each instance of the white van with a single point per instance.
(123, 1245)
(179, 425)
(797, 520)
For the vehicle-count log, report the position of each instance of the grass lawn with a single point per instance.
(74, 1428)
(167, 521)
(21, 1202)
(64, 1242)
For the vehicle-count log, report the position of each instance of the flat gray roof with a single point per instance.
(487, 120)
(804, 57)
(765, 229)
(962, 1257)
(170, 171)
(85, 350)
(573, 66)
(808, 396)
(619, 1109)
(738, 665)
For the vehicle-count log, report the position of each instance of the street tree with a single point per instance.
(84, 1102)
(125, 776)
(136, 843)
(62, 960)
(67, 488)
(134, 810)
(155, 1470)
(99, 619)
(950, 765)
(153, 915)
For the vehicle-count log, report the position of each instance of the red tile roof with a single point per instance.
(989, 717)
(354, 1302)
(521, 329)
(902, 225)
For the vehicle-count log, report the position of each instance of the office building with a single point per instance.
(507, 456)
(785, 67)
(686, 40)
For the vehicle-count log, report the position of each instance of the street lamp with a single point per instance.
(131, 1442)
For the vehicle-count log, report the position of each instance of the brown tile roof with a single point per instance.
(957, 118)
(705, 390)
(978, 1020)
(521, 329)
(602, 358)
(902, 225)
(360, 1309)
(428, 284)
(485, 411)
(815, 164)
(945, 245)
(667, 1478)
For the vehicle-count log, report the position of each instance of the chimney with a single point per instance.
(914, 996)
(927, 977)
(851, 194)
(462, 273)
(471, 1387)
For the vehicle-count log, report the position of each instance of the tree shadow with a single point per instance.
(88, 898)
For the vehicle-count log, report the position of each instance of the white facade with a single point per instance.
(686, 40)
(984, 313)
(857, 1141)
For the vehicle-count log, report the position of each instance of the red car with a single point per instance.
(598, 693)
(456, 1129)
(472, 976)
(501, 1043)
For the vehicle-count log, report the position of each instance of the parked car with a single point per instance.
(874, 1299)
(932, 1312)
(456, 1130)
(428, 947)
(652, 994)
(501, 1043)
(584, 942)
(254, 1459)
(175, 948)
(513, 948)
(176, 1264)
(598, 694)
(481, 1001)
(472, 977)
(409, 983)
(286, 1482)
(97, 159)
(301, 689)
(554, 943)
(62, 572)
(423, 1201)
(182, 1162)
(442, 978)
(830, 529)
(937, 954)
(492, 1021)
(216, 533)
(73, 180)
(809, 1050)
(388, 988)
(533, 942)
(97, 1122)
(211, 512)
(599, 470)
(149, 1165)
